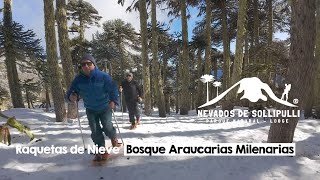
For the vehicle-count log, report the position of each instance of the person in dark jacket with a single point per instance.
(132, 94)
(100, 95)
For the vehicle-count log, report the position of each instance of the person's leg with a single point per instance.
(137, 113)
(107, 125)
(131, 109)
(96, 130)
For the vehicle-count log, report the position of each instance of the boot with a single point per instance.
(133, 126)
(98, 157)
(115, 143)
(138, 122)
(101, 157)
(105, 156)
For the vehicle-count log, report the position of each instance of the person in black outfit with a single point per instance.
(132, 94)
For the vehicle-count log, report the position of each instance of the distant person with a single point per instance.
(132, 94)
(100, 95)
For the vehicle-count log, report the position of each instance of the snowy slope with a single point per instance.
(173, 129)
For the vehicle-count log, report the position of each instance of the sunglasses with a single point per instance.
(86, 63)
(128, 75)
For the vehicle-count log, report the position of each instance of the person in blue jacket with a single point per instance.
(100, 95)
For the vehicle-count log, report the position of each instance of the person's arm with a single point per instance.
(111, 89)
(73, 91)
(139, 90)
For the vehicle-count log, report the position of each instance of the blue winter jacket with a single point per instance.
(97, 90)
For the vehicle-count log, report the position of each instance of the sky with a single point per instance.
(30, 14)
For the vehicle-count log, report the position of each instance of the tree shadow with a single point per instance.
(309, 147)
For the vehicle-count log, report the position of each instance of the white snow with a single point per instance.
(174, 129)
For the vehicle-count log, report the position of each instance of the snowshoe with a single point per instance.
(133, 126)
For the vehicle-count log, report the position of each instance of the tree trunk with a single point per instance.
(246, 49)
(28, 98)
(52, 58)
(47, 97)
(241, 32)
(167, 101)
(213, 90)
(226, 47)
(10, 61)
(64, 46)
(301, 66)
(156, 66)
(270, 21)
(168, 94)
(122, 74)
(178, 80)
(164, 69)
(317, 54)
(81, 34)
(270, 34)
(185, 59)
(256, 22)
(144, 55)
(208, 38)
(199, 74)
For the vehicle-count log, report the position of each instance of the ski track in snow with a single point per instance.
(173, 129)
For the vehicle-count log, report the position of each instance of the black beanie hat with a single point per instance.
(88, 57)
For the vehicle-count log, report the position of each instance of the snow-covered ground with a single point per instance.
(173, 129)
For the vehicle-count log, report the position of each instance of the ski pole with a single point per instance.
(84, 145)
(114, 117)
(121, 105)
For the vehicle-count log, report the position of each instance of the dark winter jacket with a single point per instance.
(131, 90)
(97, 90)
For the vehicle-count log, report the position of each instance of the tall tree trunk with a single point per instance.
(241, 32)
(199, 74)
(178, 80)
(317, 54)
(47, 97)
(144, 55)
(28, 98)
(270, 21)
(208, 37)
(251, 48)
(270, 35)
(164, 76)
(301, 66)
(256, 22)
(164, 69)
(213, 90)
(207, 56)
(185, 59)
(246, 59)
(122, 74)
(52, 58)
(64, 46)
(226, 47)
(81, 33)
(246, 48)
(168, 94)
(156, 65)
(10, 61)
